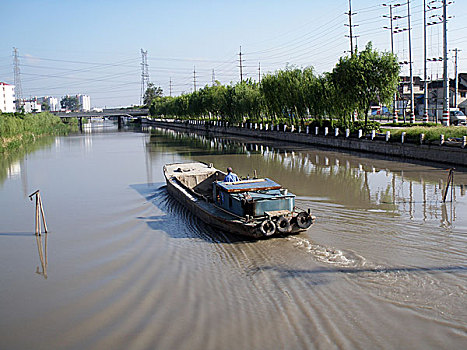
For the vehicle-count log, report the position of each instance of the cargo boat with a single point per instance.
(255, 208)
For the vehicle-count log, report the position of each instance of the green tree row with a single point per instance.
(293, 95)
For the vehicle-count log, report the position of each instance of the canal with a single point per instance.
(124, 266)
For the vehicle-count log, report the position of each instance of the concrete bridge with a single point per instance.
(114, 112)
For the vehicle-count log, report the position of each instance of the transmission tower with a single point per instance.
(241, 65)
(194, 78)
(259, 72)
(18, 88)
(144, 74)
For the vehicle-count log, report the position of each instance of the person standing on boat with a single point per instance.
(231, 176)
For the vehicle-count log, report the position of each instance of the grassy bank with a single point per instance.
(432, 133)
(17, 129)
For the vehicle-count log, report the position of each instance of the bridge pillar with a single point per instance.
(80, 124)
(120, 122)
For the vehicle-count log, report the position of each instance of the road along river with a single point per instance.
(124, 266)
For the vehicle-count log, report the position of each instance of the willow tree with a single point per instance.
(365, 77)
(272, 95)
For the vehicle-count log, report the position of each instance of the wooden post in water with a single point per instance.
(449, 182)
(39, 213)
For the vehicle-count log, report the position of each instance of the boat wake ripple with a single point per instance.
(329, 255)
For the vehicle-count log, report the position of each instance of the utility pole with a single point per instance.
(18, 88)
(170, 87)
(394, 100)
(194, 78)
(213, 78)
(433, 20)
(241, 66)
(425, 77)
(144, 74)
(412, 100)
(445, 67)
(259, 72)
(351, 36)
(456, 78)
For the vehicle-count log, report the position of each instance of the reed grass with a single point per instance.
(17, 129)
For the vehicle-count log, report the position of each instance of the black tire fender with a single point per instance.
(283, 224)
(267, 228)
(304, 220)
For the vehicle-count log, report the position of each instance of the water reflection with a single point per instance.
(13, 165)
(375, 185)
(42, 255)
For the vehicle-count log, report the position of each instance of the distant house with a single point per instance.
(52, 102)
(7, 98)
(403, 101)
(32, 105)
(435, 95)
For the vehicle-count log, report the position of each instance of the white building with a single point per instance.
(52, 102)
(32, 106)
(7, 98)
(84, 103)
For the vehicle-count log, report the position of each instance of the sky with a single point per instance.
(93, 47)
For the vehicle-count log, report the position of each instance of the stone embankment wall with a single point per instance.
(449, 152)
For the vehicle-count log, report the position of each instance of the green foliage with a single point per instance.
(70, 103)
(431, 133)
(17, 128)
(45, 106)
(152, 92)
(364, 78)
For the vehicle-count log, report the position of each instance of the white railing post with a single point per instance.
(316, 130)
(388, 135)
(403, 136)
(347, 133)
(336, 132)
(326, 131)
(360, 133)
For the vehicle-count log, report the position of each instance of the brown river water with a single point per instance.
(124, 266)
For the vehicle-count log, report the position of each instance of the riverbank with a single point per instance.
(18, 130)
(451, 152)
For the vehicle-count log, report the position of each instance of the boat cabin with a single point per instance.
(256, 197)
